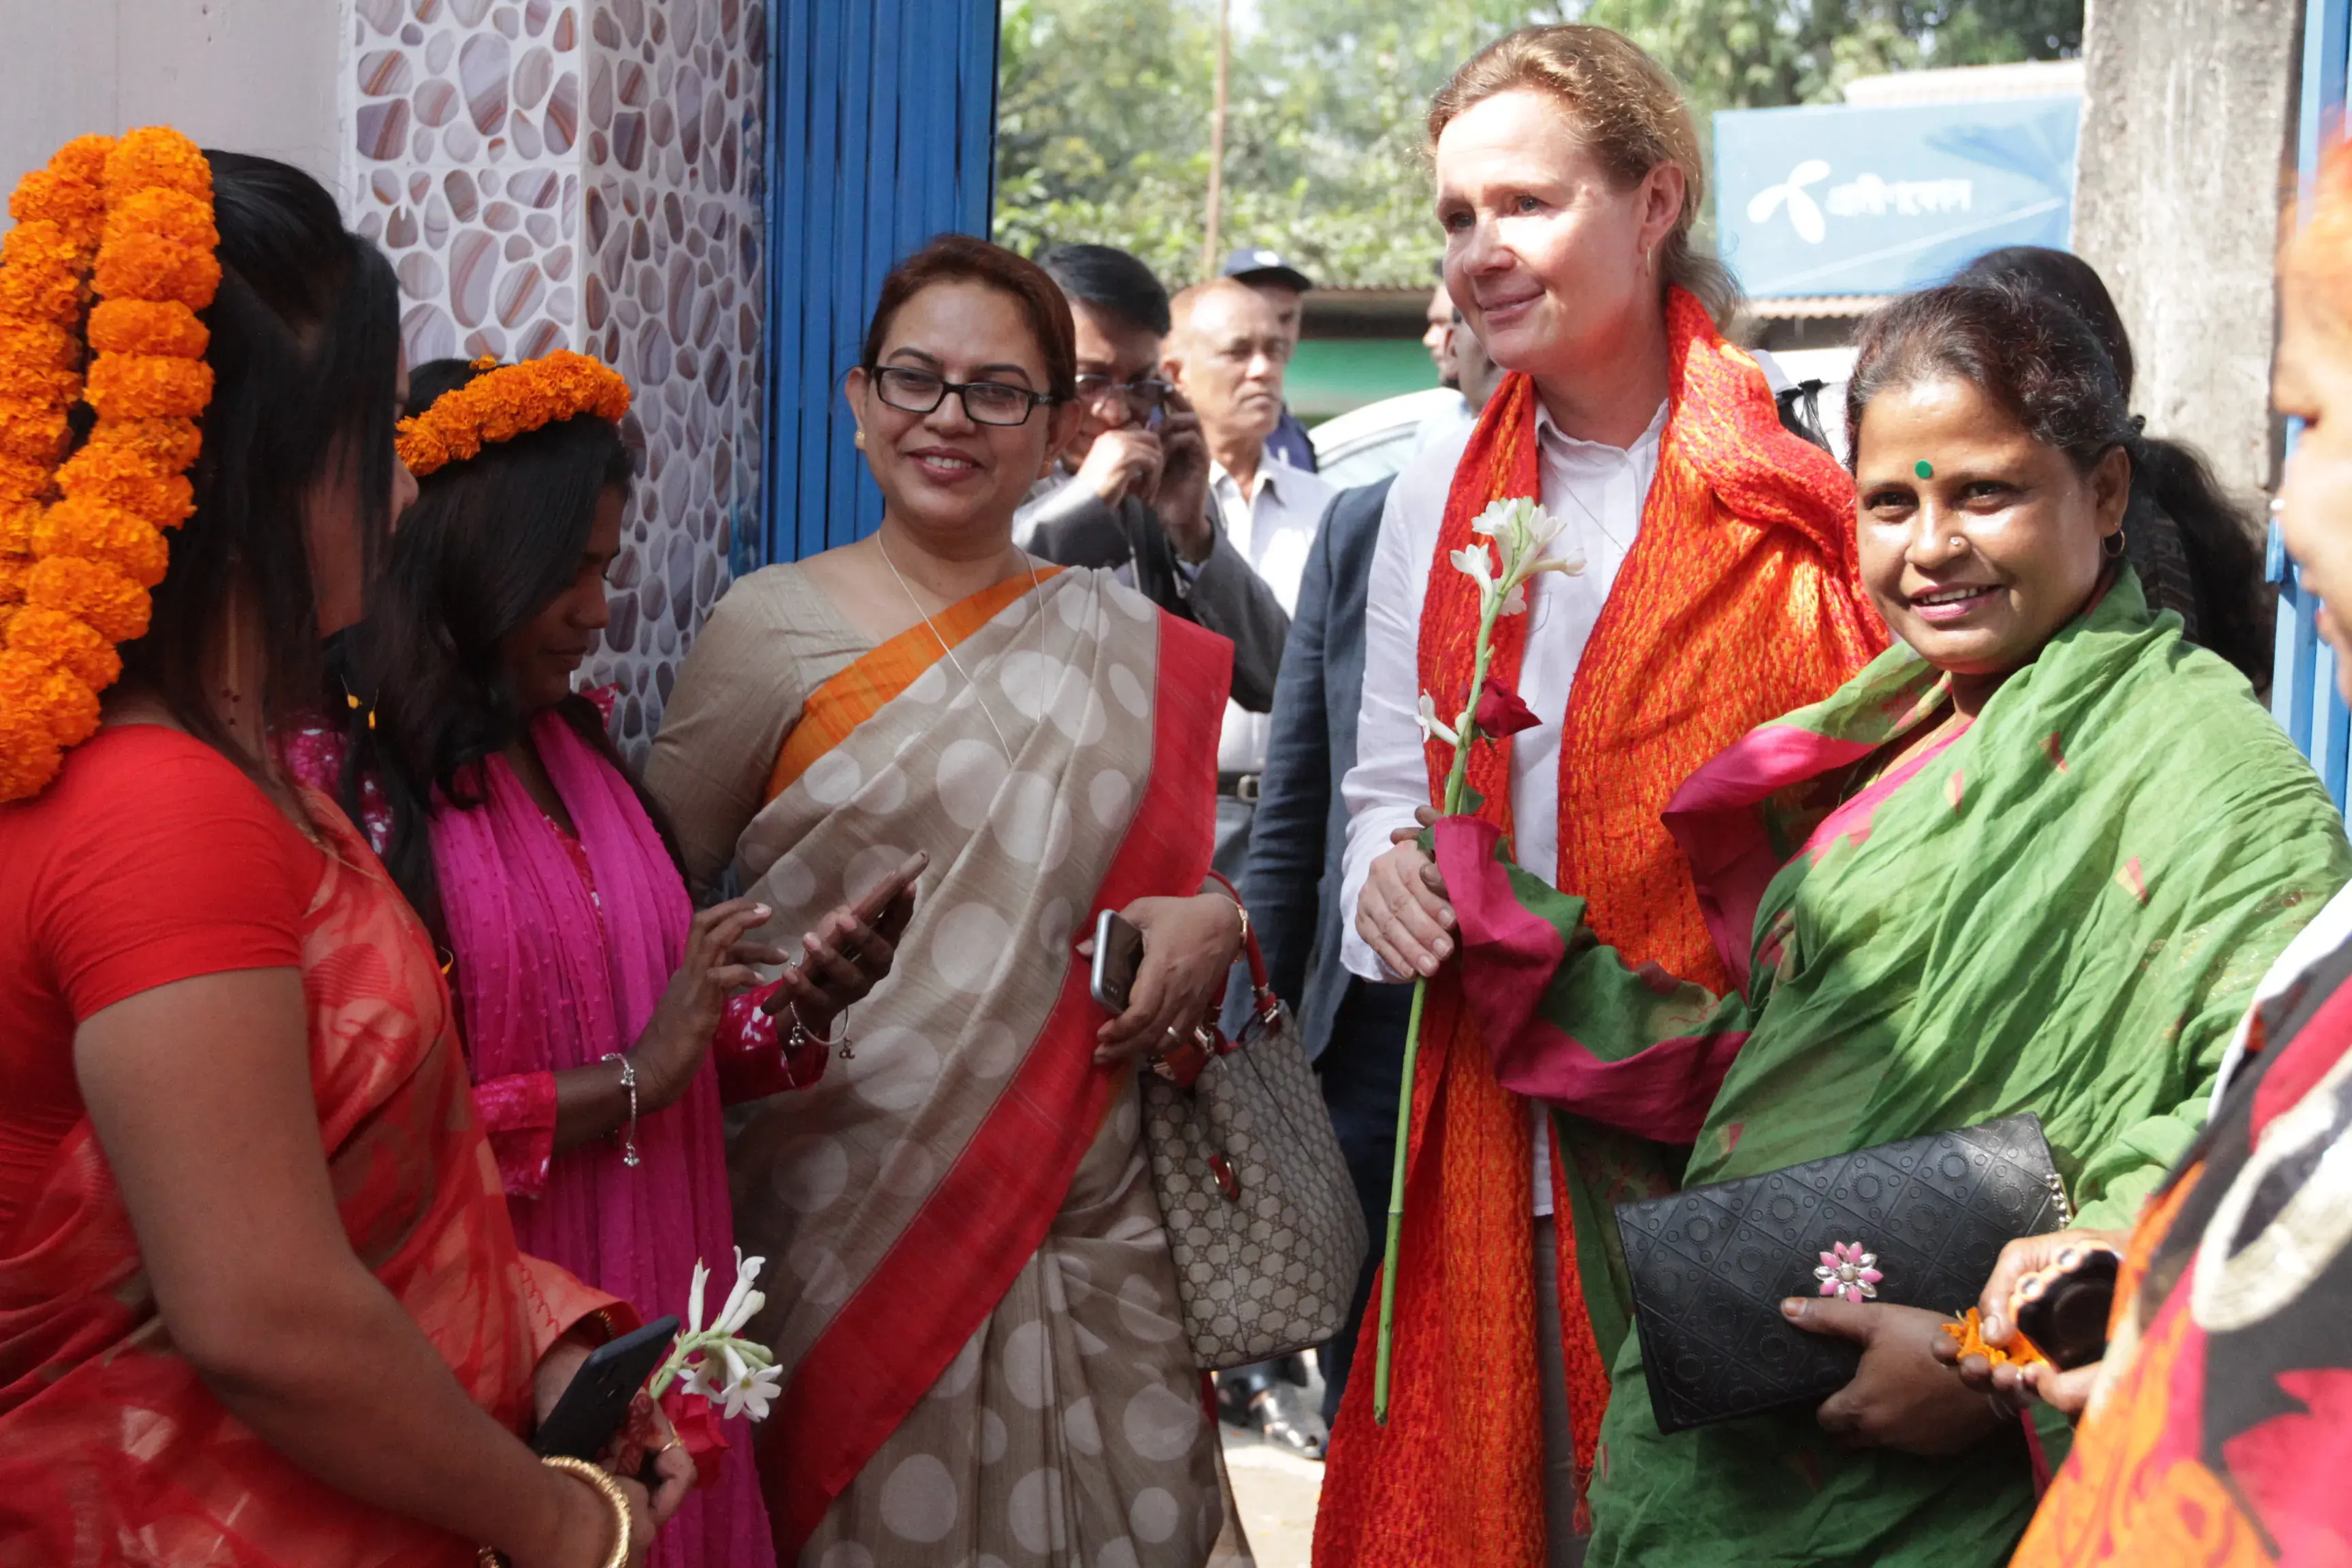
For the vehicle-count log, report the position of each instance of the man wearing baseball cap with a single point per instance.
(1284, 287)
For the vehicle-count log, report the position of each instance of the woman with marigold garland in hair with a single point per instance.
(259, 1299)
(588, 989)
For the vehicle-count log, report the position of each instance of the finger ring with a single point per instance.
(666, 1447)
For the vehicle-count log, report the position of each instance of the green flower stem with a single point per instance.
(1456, 782)
(708, 1344)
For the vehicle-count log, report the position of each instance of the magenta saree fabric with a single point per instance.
(556, 972)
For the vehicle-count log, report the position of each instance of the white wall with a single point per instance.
(250, 75)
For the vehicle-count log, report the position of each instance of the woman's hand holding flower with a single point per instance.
(2020, 1384)
(1403, 914)
(584, 1517)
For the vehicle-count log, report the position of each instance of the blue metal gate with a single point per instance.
(2303, 688)
(882, 133)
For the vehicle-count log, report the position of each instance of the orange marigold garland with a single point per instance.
(45, 265)
(506, 402)
(133, 218)
(1967, 1329)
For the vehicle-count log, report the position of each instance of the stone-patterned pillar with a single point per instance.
(587, 175)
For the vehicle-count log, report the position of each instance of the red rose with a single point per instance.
(1500, 711)
(699, 1430)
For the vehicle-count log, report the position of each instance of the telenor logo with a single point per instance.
(1804, 213)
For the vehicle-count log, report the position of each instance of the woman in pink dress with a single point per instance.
(589, 991)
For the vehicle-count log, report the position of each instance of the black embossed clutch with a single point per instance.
(1917, 1223)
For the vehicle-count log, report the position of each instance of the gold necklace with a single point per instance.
(1035, 595)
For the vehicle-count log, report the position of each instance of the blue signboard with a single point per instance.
(1876, 198)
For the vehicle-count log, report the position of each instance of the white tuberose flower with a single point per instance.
(742, 1301)
(1475, 564)
(1523, 533)
(750, 1390)
(1433, 728)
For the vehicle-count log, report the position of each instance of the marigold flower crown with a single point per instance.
(507, 401)
(129, 225)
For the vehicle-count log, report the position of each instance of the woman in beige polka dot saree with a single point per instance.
(973, 1301)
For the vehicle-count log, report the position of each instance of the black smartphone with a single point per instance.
(1118, 953)
(2067, 1319)
(585, 1420)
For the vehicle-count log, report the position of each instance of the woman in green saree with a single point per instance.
(2033, 858)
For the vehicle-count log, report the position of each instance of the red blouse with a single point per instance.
(98, 905)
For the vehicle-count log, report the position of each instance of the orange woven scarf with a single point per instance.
(1739, 601)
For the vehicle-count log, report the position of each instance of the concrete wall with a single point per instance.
(254, 76)
(2186, 157)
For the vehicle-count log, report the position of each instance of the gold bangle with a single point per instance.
(614, 1499)
(606, 1488)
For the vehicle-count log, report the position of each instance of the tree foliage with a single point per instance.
(1104, 105)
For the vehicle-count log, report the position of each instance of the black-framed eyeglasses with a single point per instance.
(1143, 395)
(985, 402)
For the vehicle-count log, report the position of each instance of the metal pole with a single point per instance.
(1217, 145)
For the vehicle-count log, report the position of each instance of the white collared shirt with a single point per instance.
(1597, 492)
(1273, 528)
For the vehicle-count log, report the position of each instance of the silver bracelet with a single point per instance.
(801, 1036)
(628, 1135)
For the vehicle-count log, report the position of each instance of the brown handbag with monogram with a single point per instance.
(1261, 1212)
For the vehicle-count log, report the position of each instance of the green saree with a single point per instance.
(2063, 909)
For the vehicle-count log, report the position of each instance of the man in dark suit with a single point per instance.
(1131, 490)
(1353, 1029)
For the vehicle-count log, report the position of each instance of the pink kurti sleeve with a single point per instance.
(517, 1112)
(753, 1060)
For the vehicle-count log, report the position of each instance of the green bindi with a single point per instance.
(1924, 468)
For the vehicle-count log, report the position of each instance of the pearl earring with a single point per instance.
(858, 440)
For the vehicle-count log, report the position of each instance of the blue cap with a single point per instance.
(1256, 264)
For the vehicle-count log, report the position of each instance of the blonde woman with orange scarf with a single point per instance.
(1718, 590)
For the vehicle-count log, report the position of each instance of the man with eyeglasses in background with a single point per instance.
(1131, 491)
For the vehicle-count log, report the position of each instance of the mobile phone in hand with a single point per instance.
(868, 911)
(1118, 953)
(2068, 1320)
(879, 899)
(589, 1415)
